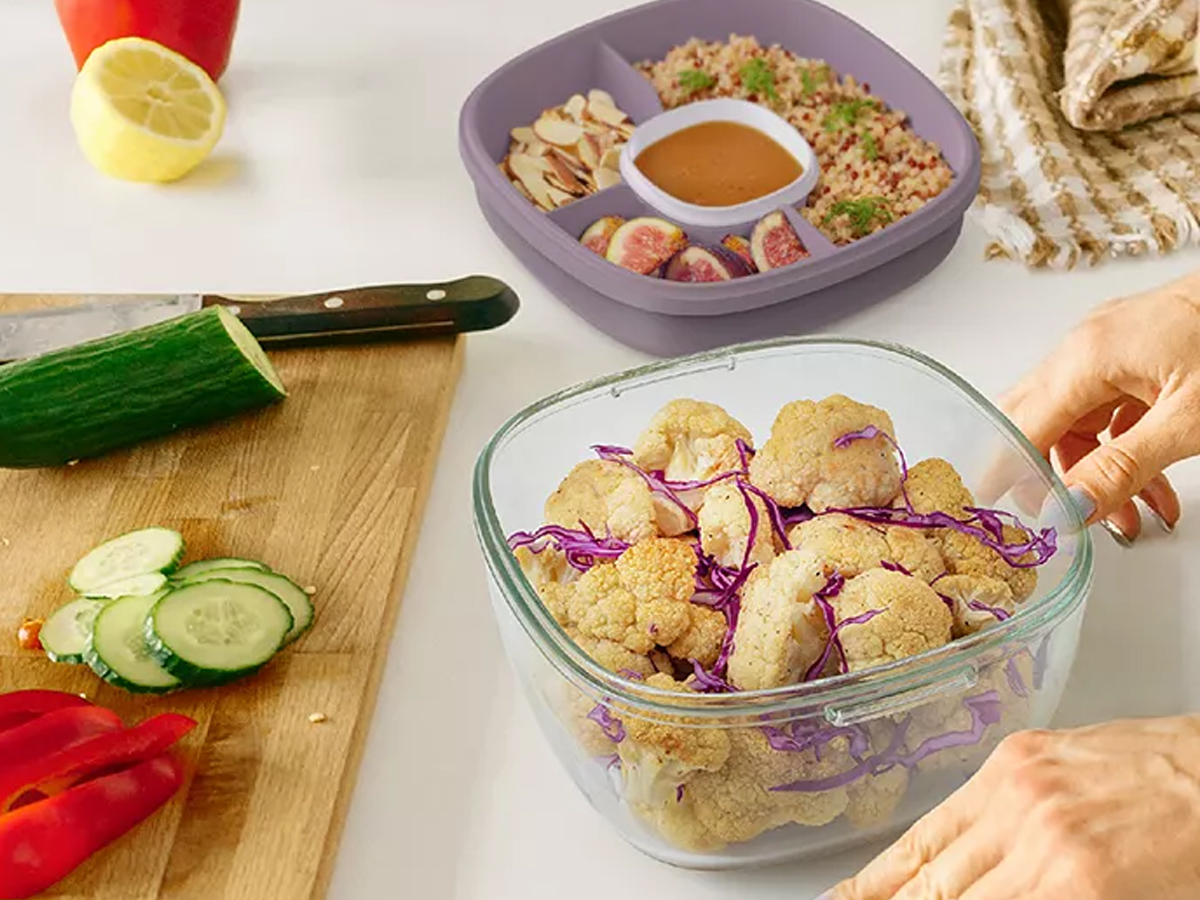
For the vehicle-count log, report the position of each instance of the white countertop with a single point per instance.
(339, 167)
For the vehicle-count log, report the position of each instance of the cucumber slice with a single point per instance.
(117, 650)
(200, 566)
(65, 634)
(136, 553)
(93, 398)
(137, 586)
(213, 632)
(298, 603)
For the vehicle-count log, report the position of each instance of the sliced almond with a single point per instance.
(525, 168)
(559, 198)
(606, 113)
(537, 148)
(561, 174)
(588, 149)
(606, 178)
(537, 162)
(611, 160)
(523, 135)
(604, 98)
(557, 131)
(625, 130)
(575, 107)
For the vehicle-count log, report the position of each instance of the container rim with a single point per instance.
(901, 677)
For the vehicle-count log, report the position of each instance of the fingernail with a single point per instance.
(1162, 523)
(1055, 516)
(1117, 534)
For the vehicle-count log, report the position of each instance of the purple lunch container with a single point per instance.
(667, 318)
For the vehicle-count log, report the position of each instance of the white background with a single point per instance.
(339, 167)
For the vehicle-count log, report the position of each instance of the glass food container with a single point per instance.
(694, 779)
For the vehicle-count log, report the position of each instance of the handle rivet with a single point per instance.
(436, 294)
(234, 310)
(334, 302)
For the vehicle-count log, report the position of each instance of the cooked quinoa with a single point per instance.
(874, 168)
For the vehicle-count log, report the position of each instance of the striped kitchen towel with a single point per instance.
(1086, 115)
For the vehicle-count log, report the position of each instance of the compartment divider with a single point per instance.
(810, 236)
(618, 200)
(632, 91)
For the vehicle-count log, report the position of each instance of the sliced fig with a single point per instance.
(600, 232)
(706, 262)
(643, 244)
(775, 244)
(740, 246)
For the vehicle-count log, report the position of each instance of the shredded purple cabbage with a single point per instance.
(613, 762)
(581, 547)
(996, 612)
(619, 455)
(894, 567)
(773, 510)
(612, 727)
(1015, 682)
(630, 674)
(710, 683)
(745, 454)
(815, 735)
(985, 711)
(679, 793)
(797, 516)
(869, 433)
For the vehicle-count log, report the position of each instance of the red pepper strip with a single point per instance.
(52, 733)
(58, 770)
(19, 707)
(43, 843)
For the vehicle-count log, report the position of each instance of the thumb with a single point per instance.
(1116, 471)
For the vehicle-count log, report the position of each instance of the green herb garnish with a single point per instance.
(845, 114)
(870, 147)
(758, 78)
(808, 82)
(692, 80)
(861, 212)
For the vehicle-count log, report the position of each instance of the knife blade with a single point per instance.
(379, 312)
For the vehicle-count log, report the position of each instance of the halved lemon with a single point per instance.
(142, 112)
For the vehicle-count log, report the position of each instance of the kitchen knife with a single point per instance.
(474, 303)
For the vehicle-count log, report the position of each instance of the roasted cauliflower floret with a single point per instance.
(873, 799)
(703, 638)
(725, 527)
(974, 597)
(964, 554)
(551, 576)
(911, 618)
(690, 440)
(847, 544)
(799, 463)
(962, 731)
(658, 756)
(910, 548)
(738, 803)
(611, 498)
(780, 631)
(933, 485)
(640, 601)
(613, 656)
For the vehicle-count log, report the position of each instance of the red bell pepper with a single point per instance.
(50, 734)
(43, 843)
(19, 707)
(58, 770)
(201, 30)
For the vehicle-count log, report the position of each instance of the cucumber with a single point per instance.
(298, 603)
(66, 632)
(201, 566)
(90, 399)
(142, 552)
(213, 632)
(137, 586)
(117, 650)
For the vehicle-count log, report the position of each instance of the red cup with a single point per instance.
(201, 30)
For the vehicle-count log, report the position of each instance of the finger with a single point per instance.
(1162, 501)
(961, 865)
(1011, 880)
(1124, 525)
(1067, 391)
(922, 843)
(1125, 416)
(1119, 469)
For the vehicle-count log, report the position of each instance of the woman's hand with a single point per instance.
(1117, 402)
(1108, 812)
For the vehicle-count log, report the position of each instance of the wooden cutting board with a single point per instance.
(328, 488)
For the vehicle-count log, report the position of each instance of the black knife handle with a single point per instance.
(381, 312)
